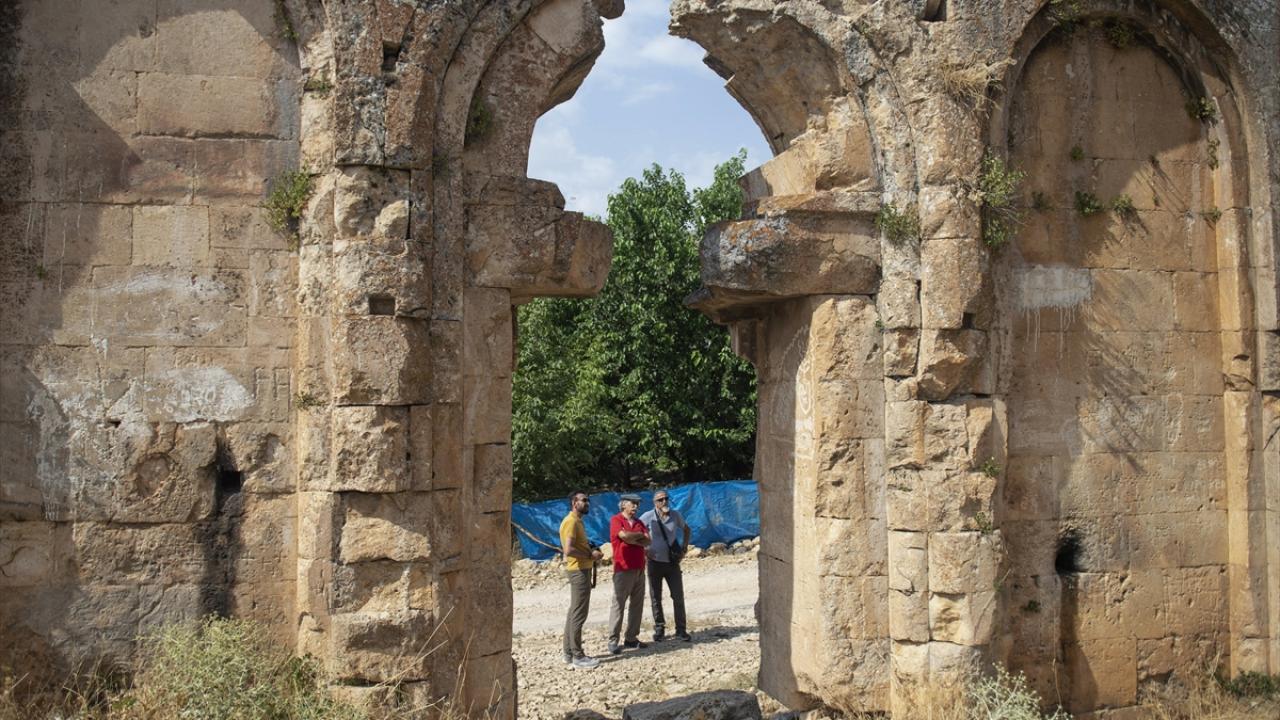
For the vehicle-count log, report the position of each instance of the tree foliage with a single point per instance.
(632, 385)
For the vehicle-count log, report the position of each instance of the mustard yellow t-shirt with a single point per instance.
(572, 530)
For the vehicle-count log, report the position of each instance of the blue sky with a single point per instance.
(648, 99)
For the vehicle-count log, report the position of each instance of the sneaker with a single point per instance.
(613, 648)
(633, 644)
(585, 663)
(685, 636)
(659, 636)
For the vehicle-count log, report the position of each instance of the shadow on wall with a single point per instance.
(1115, 486)
(99, 120)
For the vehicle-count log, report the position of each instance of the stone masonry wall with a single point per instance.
(148, 315)
(967, 454)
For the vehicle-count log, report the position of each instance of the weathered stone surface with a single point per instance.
(716, 705)
(1081, 417)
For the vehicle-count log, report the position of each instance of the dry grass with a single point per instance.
(1211, 699)
(971, 81)
(213, 670)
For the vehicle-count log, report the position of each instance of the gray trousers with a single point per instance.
(628, 587)
(579, 604)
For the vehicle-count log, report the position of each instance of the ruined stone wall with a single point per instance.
(147, 317)
(1075, 468)
(1057, 451)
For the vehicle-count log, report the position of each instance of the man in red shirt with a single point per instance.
(629, 537)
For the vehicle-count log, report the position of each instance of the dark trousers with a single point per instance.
(579, 604)
(659, 571)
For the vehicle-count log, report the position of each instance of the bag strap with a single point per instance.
(662, 528)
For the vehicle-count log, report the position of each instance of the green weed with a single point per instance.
(898, 226)
(997, 190)
(1087, 204)
(286, 201)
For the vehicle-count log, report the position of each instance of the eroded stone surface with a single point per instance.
(1058, 454)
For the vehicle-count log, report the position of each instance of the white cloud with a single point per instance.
(586, 180)
(673, 51)
(645, 92)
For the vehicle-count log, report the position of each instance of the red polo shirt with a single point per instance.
(625, 555)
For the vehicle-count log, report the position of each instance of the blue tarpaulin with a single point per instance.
(725, 511)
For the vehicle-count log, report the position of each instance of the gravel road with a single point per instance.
(720, 594)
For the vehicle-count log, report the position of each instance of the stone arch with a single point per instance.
(1130, 366)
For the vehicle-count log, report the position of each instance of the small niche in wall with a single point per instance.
(382, 305)
(230, 481)
(1068, 559)
(934, 11)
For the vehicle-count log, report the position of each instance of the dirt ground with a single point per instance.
(720, 596)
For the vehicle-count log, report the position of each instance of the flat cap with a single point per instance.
(632, 497)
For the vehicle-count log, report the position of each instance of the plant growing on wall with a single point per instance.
(997, 191)
(1087, 204)
(898, 226)
(286, 201)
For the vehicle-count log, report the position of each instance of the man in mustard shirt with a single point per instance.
(579, 558)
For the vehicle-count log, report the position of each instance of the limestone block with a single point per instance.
(392, 527)
(849, 409)
(537, 251)
(242, 228)
(954, 361)
(240, 170)
(849, 478)
(369, 449)
(488, 347)
(379, 647)
(168, 476)
(752, 261)
(318, 519)
(229, 41)
(919, 432)
(381, 279)
(962, 619)
(81, 234)
(490, 603)
(370, 203)
(964, 562)
(162, 306)
(421, 447)
(1103, 673)
(259, 451)
(382, 359)
(447, 444)
(487, 409)
(1131, 300)
(901, 348)
(29, 553)
(1032, 545)
(447, 531)
(1268, 361)
(952, 662)
(385, 588)
(714, 705)
(446, 358)
(202, 105)
(908, 562)
(492, 484)
(844, 342)
(851, 548)
(1197, 600)
(907, 499)
(899, 302)
(908, 615)
(961, 501)
(947, 212)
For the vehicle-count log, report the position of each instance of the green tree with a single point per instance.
(633, 385)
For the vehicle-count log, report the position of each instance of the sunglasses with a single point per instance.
(659, 500)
